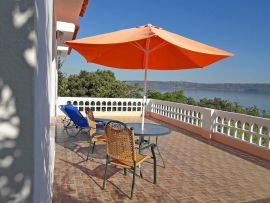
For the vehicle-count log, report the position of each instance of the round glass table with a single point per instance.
(150, 130)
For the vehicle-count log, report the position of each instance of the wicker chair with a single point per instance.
(121, 150)
(94, 137)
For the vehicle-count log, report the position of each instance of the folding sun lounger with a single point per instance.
(78, 120)
(76, 117)
(66, 120)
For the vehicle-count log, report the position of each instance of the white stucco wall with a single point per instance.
(28, 79)
(17, 67)
(52, 90)
(53, 75)
(44, 101)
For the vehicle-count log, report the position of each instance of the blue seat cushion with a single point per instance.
(76, 116)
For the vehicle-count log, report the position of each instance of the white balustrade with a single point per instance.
(104, 106)
(189, 114)
(249, 129)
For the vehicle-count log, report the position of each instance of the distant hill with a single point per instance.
(164, 86)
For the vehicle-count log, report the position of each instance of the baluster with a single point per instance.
(192, 118)
(260, 135)
(197, 119)
(235, 129)
(222, 126)
(251, 134)
(229, 127)
(268, 139)
(243, 132)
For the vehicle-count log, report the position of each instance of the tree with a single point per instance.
(265, 114)
(135, 90)
(153, 94)
(175, 96)
(190, 101)
(62, 84)
(101, 83)
(62, 80)
(254, 111)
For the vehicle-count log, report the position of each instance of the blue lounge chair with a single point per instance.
(76, 117)
(66, 120)
(79, 121)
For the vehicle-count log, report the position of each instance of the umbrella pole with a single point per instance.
(144, 97)
(146, 55)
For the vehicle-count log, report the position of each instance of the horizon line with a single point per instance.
(243, 83)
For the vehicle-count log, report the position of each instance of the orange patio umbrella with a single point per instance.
(146, 47)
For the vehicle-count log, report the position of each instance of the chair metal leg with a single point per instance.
(69, 125)
(163, 162)
(105, 173)
(141, 171)
(88, 151)
(141, 174)
(69, 122)
(93, 148)
(155, 163)
(78, 132)
(66, 125)
(141, 148)
(125, 171)
(133, 180)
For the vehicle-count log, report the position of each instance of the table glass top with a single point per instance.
(150, 129)
(102, 120)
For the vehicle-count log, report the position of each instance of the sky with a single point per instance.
(241, 27)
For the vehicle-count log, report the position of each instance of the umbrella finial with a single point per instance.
(150, 25)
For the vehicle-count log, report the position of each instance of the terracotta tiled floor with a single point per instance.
(196, 171)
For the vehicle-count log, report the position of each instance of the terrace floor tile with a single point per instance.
(197, 170)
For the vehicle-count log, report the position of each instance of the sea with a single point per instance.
(246, 99)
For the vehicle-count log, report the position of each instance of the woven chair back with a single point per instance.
(91, 121)
(120, 141)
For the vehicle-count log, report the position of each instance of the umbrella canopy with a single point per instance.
(146, 47)
(166, 51)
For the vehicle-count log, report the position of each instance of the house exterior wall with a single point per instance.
(17, 68)
(44, 101)
(27, 100)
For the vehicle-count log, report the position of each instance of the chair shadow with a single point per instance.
(120, 192)
(97, 172)
(99, 152)
(72, 143)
